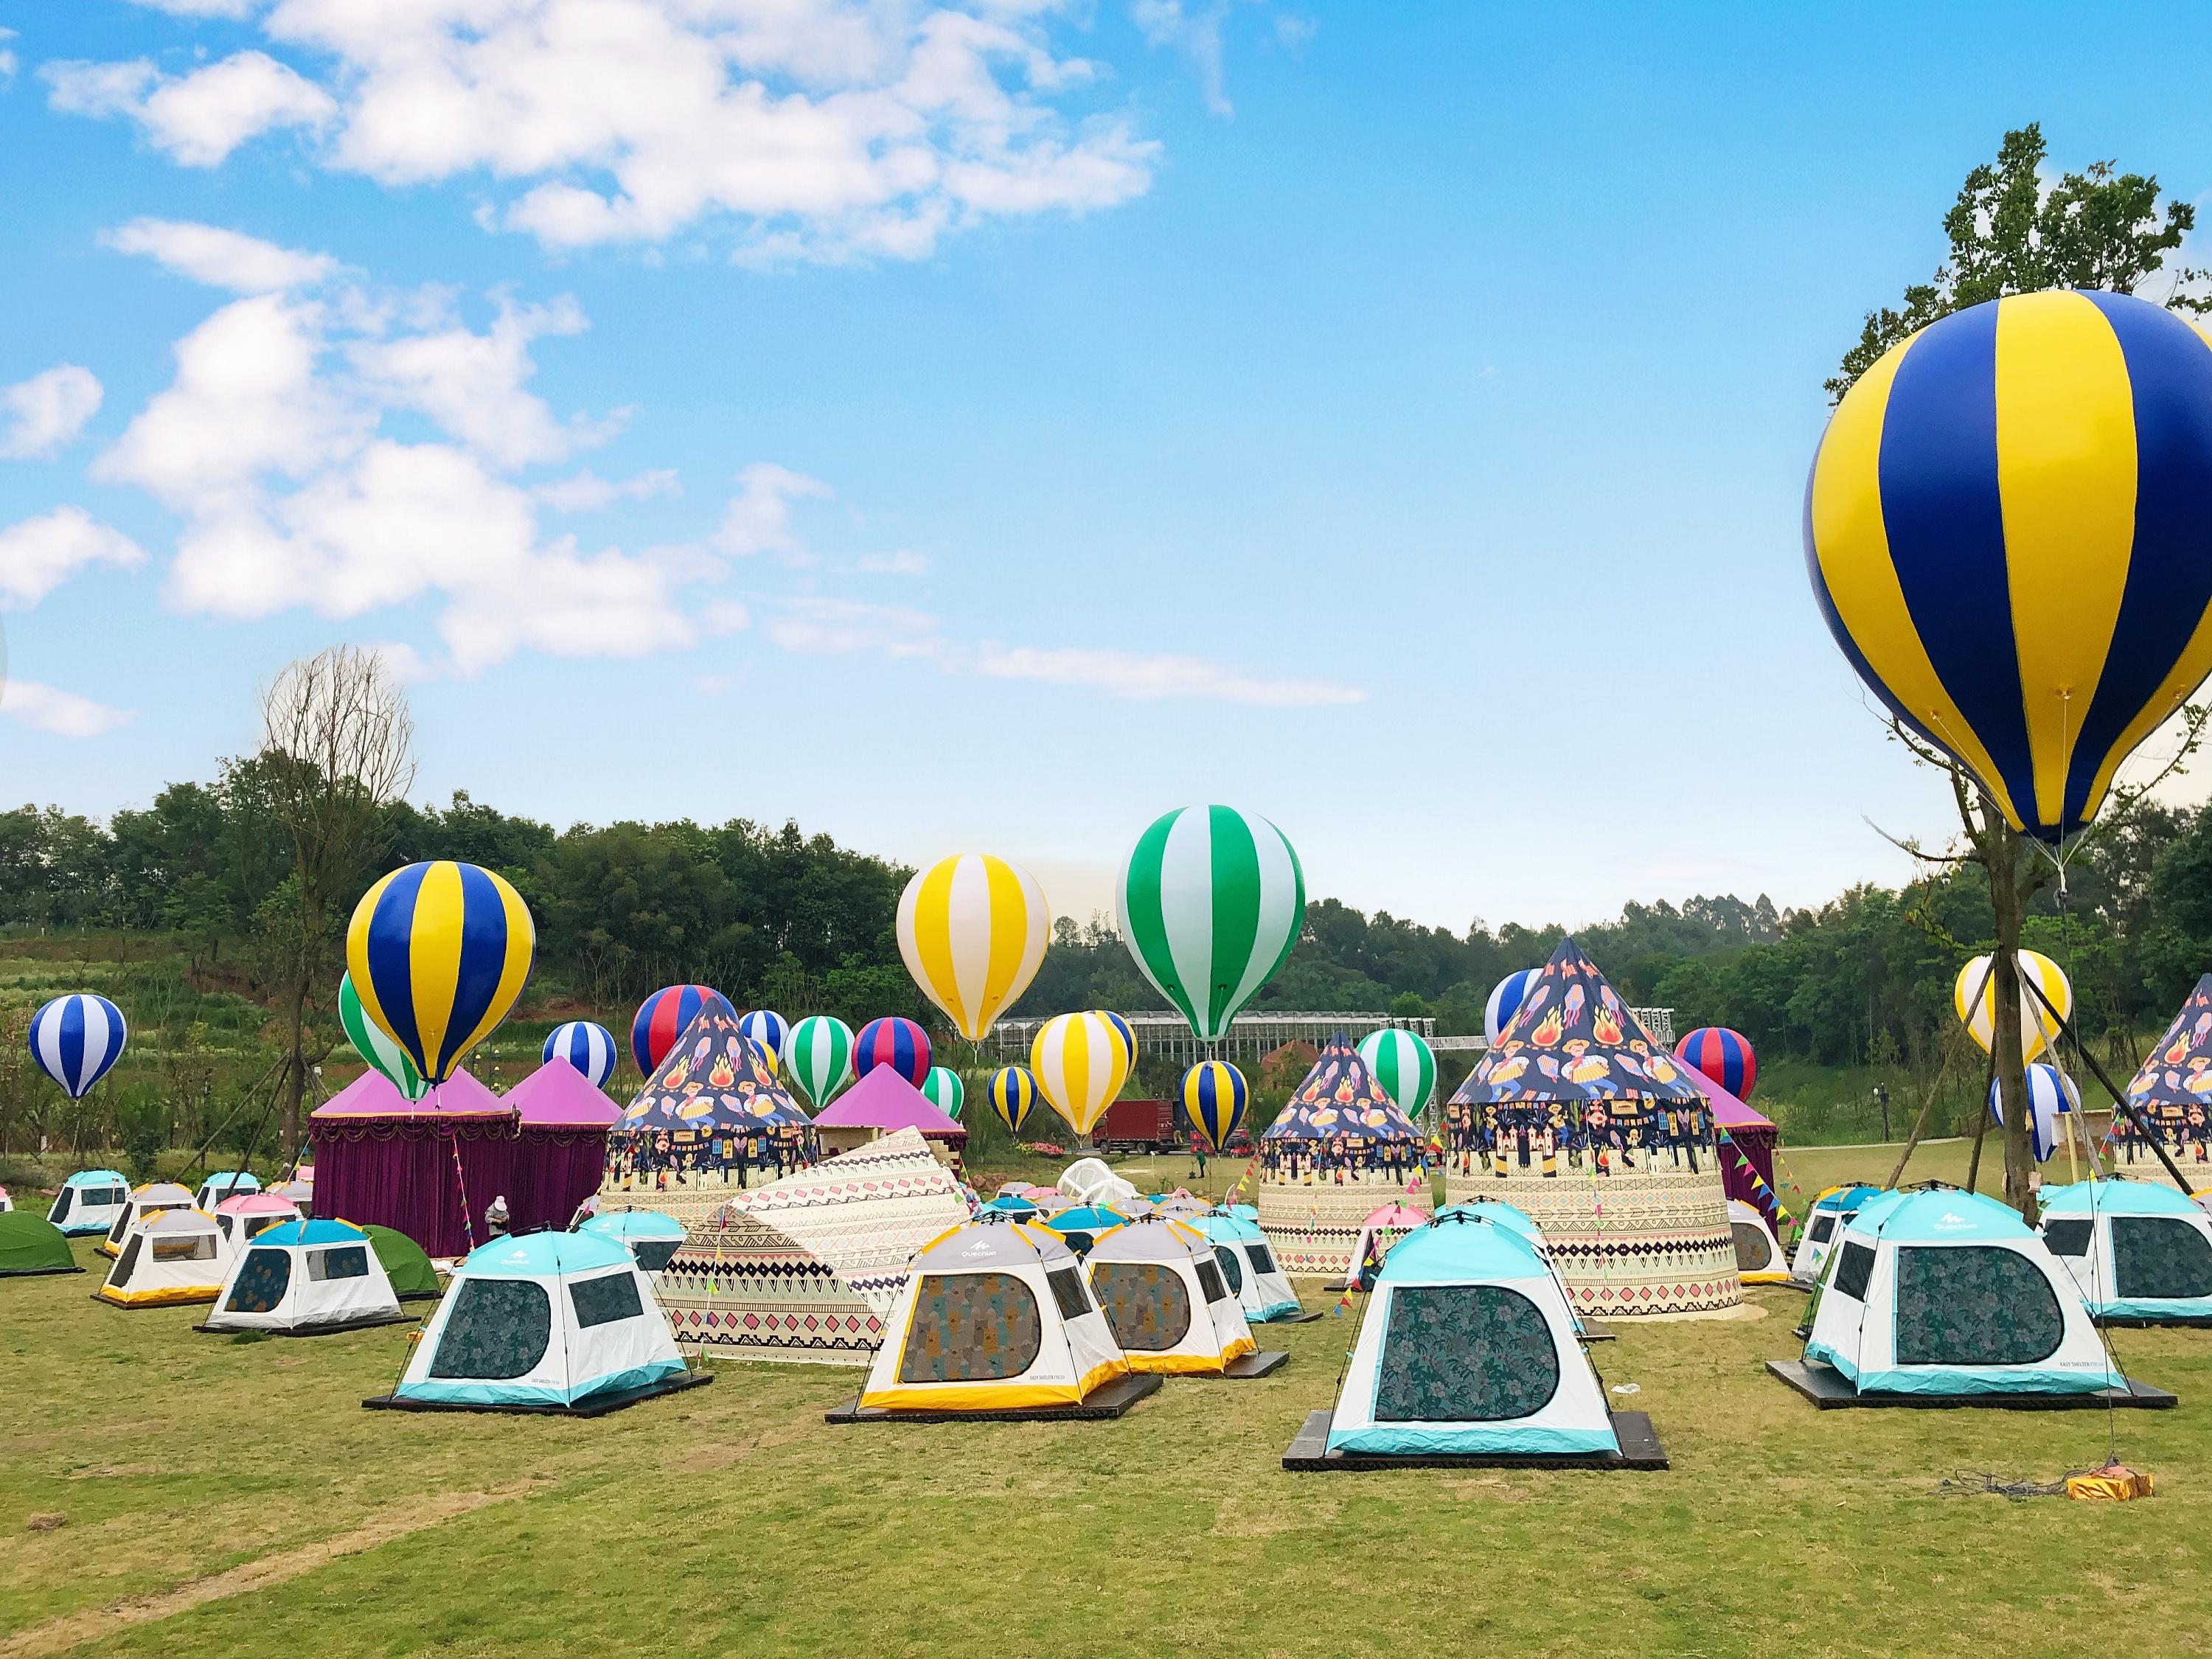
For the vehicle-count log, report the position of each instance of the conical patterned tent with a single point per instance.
(1338, 1148)
(2173, 1089)
(1582, 1119)
(711, 1120)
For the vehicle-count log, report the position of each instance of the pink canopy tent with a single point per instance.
(563, 1155)
(1753, 1138)
(1384, 1226)
(427, 1167)
(885, 1101)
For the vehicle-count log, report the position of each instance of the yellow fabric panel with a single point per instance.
(932, 942)
(522, 949)
(971, 1396)
(364, 985)
(1100, 1374)
(433, 958)
(1191, 1364)
(2172, 691)
(174, 1295)
(1012, 925)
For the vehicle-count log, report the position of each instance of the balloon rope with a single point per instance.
(460, 1180)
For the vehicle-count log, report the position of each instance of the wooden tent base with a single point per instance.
(1247, 1366)
(598, 1406)
(1830, 1390)
(1639, 1449)
(312, 1330)
(1303, 1316)
(1101, 1404)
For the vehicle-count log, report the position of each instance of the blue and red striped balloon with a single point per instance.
(662, 1016)
(1722, 1056)
(75, 1039)
(898, 1043)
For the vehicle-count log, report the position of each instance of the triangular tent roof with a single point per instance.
(556, 1095)
(1341, 1096)
(885, 1100)
(373, 1095)
(713, 1080)
(1574, 1039)
(2178, 1074)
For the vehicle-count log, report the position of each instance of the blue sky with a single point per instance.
(991, 426)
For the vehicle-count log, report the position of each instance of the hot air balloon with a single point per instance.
(662, 1016)
(1974, 996)
(1210, 902)
(1404, 1065)
(2004, 530)
(1214, 1096)
(972, 930)
(1129, 1035)
(1722, 1056)
(1505, 1002)
(944, 1089)
(590, 1048)
(1013, 1097)
(381, 1051)
(2051, 1095)
(439, 952)
(75, 1039)
(1080, 1062)
(818, 1057)
(769, 1030)
(898, 1043)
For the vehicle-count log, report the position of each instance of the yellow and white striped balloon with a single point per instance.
(1080, 1061)
(1974, 999)
(973, 928)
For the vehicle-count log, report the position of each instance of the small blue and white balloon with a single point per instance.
(2051, 1095)
(75, 1039)
(590, 1048)
(1505, 1002)
(769, 1030)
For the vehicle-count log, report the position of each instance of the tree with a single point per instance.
(335, 754)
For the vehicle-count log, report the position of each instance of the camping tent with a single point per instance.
(304, 1278)
(88, 1202)
(406, 1264)
(1582, 1118)
(880, 1103)
(2138, 1252)
(561, 1155)
(172, 1256)
(1082, 1225)
(1089, 1181)
(1516, 1219)
(1165, 1298)
(996, 1317)
(1467, 1348)
(427, 1167)
(1832, 1209)
(1381, 1230)
(31, 1245)
(549, 1320)
(1241, 1249)
(651, 1236)
(228, 1183)
(248, 1213)
(809, 1267)
(1339, 1147)
(1759, 1259)
(1948, 1293)
(150, 1200)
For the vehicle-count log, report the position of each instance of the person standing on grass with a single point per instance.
(1198, 1153)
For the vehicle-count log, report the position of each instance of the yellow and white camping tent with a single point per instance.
(996, 1317)
(172, 1256)
(1165, 1299)
(1759, 1258)
(148, 1200)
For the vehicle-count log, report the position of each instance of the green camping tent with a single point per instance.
(32, 1244)
(405, 1265)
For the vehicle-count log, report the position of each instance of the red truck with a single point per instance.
(1151, 1126)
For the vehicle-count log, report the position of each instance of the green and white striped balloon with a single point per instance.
(944, 1089)
(372, 1043)
(817, 1056)
(1210, 899)
(1404, 1065)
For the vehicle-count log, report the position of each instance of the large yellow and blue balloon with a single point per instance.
(1214, 1098)
(438, 953)
(972, 930)
(2005, 528)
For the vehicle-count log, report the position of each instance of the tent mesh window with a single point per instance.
(1464, 1353)
(2160, 1256)
(1229, 1270)
(199, 1247)
(2068, 1238)
(60, 1212)
(1855, 1272)
(258, 1225)
(345, 1262)
(1750, 1247)
(1974, 1304)
(261, 1283)
(1067, 1293)
(654, 1254)
(604, 1300)
(1823, 1227)
(1209, 1281)
(498, 1329)
(1144, 1302)
(971, 1328)
(124, 1262)
(1263, 1262)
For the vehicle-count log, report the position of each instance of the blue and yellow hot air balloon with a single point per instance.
(1214, 1095)
(2005, 528)
(438, 953)
(1013, 1095)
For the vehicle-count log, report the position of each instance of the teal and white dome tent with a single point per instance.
(306, 1278)
(1250, 1269)
(1832, 1212)
(1943, 1293)
(226, 1183)
(1515, 1220)
(551, 1321)
(89, 1201)
(652, 1237)
(2139, 1253)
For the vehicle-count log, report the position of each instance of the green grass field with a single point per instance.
(167, 1492)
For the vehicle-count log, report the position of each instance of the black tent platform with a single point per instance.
(598, 1405)
(1830, 1390)
(1247, 1366)
(1102, 1404)
(1639, 1449)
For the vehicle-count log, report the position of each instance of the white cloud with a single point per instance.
(1147, 677)
(587, 492)
(758, 517)
(219, 257)
(472, 384)
(57, 713)
(7, 56)
(200, 118)
(39, 415)
(1193, 30)
(831, 627)
(38, 555)
(903, 562)
(815, 129)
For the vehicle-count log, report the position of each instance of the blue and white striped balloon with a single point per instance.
(769, 1030)
(1505, 1002)
(75, 1039)
(590, 1048)
(2051, 1095)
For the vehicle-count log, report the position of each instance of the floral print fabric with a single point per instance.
(2158, 1258)
(1973, 1304)
(1464, 1353)
(971, 1328)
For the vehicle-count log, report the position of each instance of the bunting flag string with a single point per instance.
(1769, 1200)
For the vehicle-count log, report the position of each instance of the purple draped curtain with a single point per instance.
(555, 1170)
(400, 1173)
(1757, 1146)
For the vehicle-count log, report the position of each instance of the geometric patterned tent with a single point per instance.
(1339, 1148)
(711, 1115)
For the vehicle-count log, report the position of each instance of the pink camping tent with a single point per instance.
(885, 1101)
(426, 1168)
